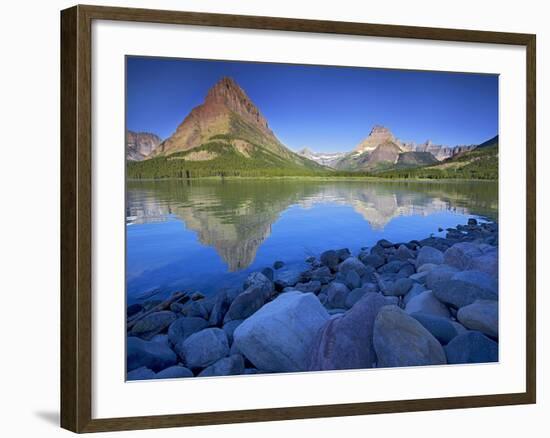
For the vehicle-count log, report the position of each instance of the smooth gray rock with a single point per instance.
(461, 254)
(442, 328)
(141, 373)
(373, 260)
(426, 267)
(269, 273)
(352, 280)
(384, 243)
(152, 324)
(352, 264)
(311, 286)
(230, 327)
(487, 263)
(227, 366)
(471, 347)
(415, 290)
(279, 336)
(400, 340)
(481, 315)
(392, 267)
(400, 287)
(287, 278)
(406, 271)
(153, 355)
(195, 309)
(258, 279)
(458, 293)
(439, 273)
(403, 253)
(203, 348)
(345, 342)
(426, 302)
(428, 254)
(321, 274)
(175, 372)
(354, 296)
(336, 294)
(479, 278)
(343, 254)
(336, 311)
(184, 327)
(220, 308)
(249, 301)
(420, 277)
(330, 259)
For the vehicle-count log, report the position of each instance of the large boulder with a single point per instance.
(442, 328)
(427, 254)
(461, 254)
(184, 327)
(153, 355)
(152, 324)
(439, 273)
(287, 278)
(175, 372)
(141, 373)
(373, 260)
(220, 308)
(230, 327)
(227, 366)
(279, 336)
(352, 264)
(330, 259)
(345, 342)
(487, 263)
(415, 290)
(458, 293)
(322, 274)
(203, 348)
(400, 340)
(399, 288)
(354, 296)
(258, 279)
(481, 315)
(426, 302)
(479, 278)
(311, 286)
(336, 294)
(471, 347)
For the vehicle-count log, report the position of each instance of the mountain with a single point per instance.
(328, 159)
(225, 135)
(139, 145)
(415, 159)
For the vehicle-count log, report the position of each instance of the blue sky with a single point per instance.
(324, 108)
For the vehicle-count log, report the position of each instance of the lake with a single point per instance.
(206, 235)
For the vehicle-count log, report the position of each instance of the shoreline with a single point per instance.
(317, 178)
(423, 302)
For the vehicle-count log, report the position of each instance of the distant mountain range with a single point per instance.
(228, 136)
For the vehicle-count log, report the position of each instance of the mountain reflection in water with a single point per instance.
(235, 218)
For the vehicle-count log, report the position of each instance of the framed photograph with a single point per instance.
(268, 219)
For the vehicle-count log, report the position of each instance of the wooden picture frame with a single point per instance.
(76, 217)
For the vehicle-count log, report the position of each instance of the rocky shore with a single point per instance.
(427, 302)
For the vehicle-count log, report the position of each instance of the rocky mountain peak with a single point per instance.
(378, 135)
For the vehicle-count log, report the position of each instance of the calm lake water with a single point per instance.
(204, 235)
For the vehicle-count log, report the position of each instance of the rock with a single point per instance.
(220, 308)
(310, 259)
(336, 294)
(258, 279)
(153, 355)
(330, 259)
(269, 274)
(141, 373)
(278, 264)
(427, 254)
(312, 286)
(472, 221)
(230, 327)
(384, 243)
(406, 271)
(352, 280)
(481, 315)
(152, 324)
(479, 278)
(322, 298)
(251, 371)
(163, 339)
(227, 366)
(279, 336)
(175, 372)
(403, 253)
(176, 307)
(441, 328)
(249, 301)
(400, 287)
(352, 264)
(487, 263)
(426, 302)
(197, 296)
(133, 309)
(391, 301)
(287, 277)
(373, 260)
(354, 296)
(400, 340)
(426, 267)
(322, 274)
(420, 277)
(337, 311)
(203, 348)
(343, 254)
(461, 254)
(184, 327)
(196, 309)
(415, 290)
(471, 347)
(460, 329)
(345, 342)
(440, 273)
(458, 293)
(391, 267)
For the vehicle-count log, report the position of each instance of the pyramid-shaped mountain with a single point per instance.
(228, 130)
